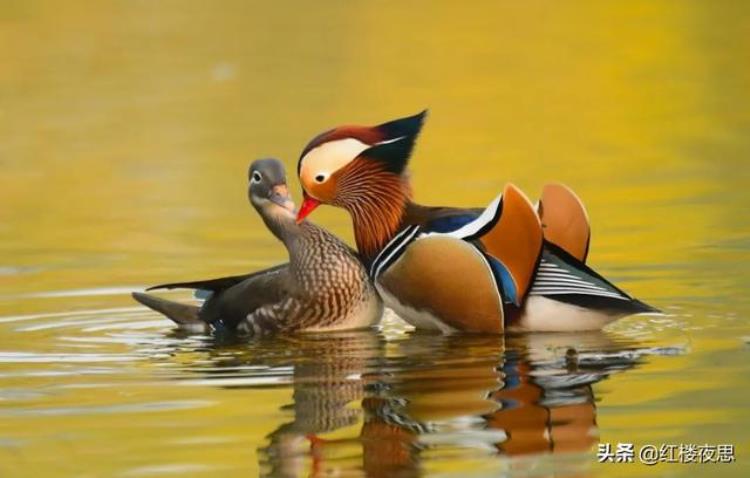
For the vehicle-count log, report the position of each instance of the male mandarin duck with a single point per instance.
(454, 269)
(324, 287)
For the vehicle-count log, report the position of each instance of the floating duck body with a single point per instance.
(324, 287)
(510, 265)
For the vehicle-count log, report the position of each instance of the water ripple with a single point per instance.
(41, 357)
(96, 291)
(50, 315)
(108, 409)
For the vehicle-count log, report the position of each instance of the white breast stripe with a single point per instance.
(387, 249)
(405, 242)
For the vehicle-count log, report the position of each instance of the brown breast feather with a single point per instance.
(448, 278)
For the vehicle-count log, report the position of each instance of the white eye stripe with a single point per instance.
(332, 156)
(256, 177)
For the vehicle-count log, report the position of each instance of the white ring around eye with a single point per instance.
(256, 177)
(321, 178)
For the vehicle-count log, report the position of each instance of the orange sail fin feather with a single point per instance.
(564, 220)
(516, 239)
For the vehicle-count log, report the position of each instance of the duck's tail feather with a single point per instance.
(186, 316)
(641, 307)
(607, 304)
(210, 284)
(563, 277)
(218, 284)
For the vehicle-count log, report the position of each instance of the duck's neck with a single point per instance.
(298, 239)
(377, 209)
(281, 223)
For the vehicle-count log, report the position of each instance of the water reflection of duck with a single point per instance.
(324, 286)
(330, 377)
(330, 374)
(526, 266)
(513, 396)
(527, 395)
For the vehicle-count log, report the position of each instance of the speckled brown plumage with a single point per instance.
(326, 284)
(324, 287)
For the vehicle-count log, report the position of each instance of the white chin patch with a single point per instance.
(331, 156)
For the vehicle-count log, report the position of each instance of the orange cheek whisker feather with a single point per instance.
(376, 200)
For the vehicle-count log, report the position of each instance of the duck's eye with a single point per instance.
(256, 177)
(320, 178)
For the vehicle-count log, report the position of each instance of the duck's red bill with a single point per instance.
(308, 205)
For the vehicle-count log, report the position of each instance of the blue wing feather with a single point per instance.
(504, 279)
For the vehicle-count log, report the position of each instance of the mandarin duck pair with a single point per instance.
(511, 265)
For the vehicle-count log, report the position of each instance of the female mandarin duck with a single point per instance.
(324, 286)
(509, 265)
